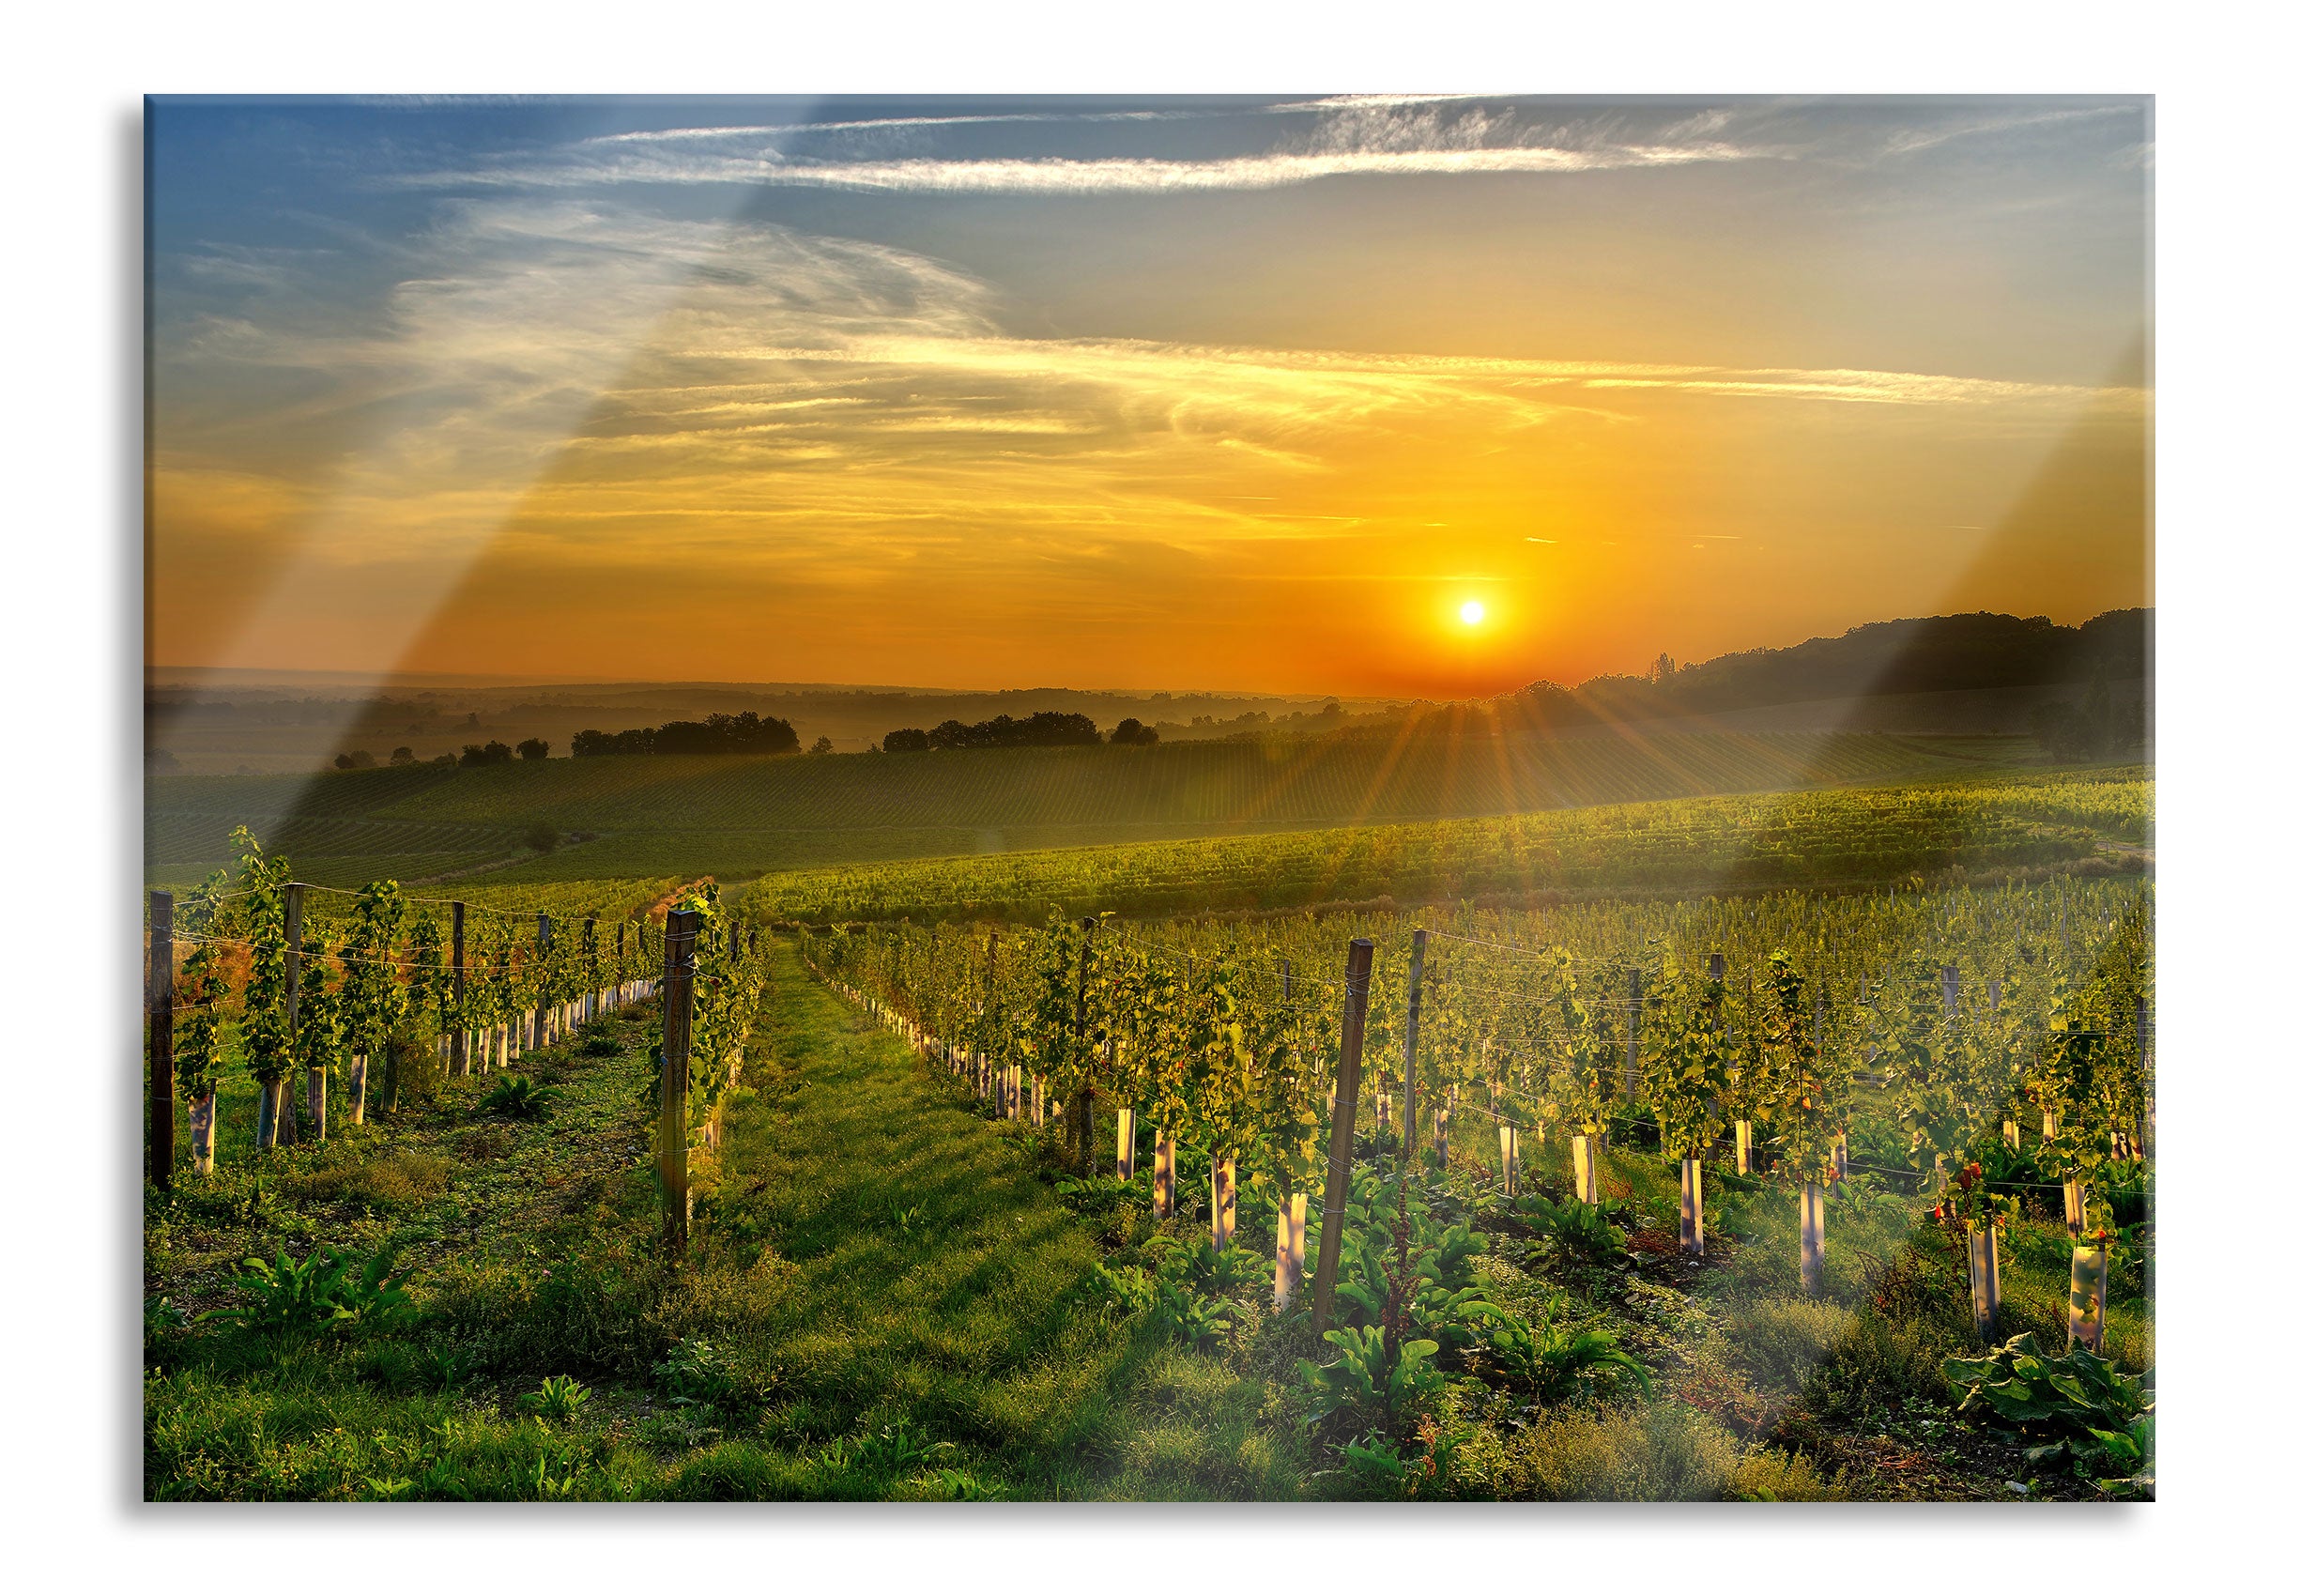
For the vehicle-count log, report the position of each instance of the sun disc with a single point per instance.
(1472, 613)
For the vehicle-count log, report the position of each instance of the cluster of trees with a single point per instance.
(1048, 729)
(501, 753)
(747, 733)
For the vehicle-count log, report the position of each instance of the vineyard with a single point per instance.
(1566, 1129)
(738, 817)
(1860, 836)
(620, 1187)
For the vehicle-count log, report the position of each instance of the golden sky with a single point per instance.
(1156, 394)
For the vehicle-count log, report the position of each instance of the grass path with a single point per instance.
(894, 1301)
(930, 1287)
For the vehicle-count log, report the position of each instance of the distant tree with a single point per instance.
(450, 758)
(1662, 669)
(472, 720)
(1130, 732)
(160, 759)
(747, 733)
(822, 746)
(542, 836)
(359, 759)
(403, 756)
(908, 741)
(493, 753)
(1048, 729)
(534, 748)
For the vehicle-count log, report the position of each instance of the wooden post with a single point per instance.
(2145, 1121)
(460, 1062)
(1629, 1064)
(1356, 983)
(591, 967)
(542, 997)
(677, 1032)
(1948, 990)
(1081, 1122)
(1410, 1118)
(1690, 1239)
(1809, 1249)
(284, 1112)
(160, 990)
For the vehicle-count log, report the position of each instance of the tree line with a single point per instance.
(1048, 729)
(747, 733)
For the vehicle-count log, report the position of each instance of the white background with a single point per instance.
(71, 519)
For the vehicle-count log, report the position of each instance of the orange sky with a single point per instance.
(1259, 407)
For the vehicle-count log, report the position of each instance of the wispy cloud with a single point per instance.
(1064, 176)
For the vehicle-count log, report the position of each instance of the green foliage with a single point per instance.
(519, 1096)
(2075, 1405)
(1188, 1316)
(328, 1289)
(1686, 1062)
(1581, 1232)
(1383, 1468)
(559, 1397)
(264, 1038)
(696, 1374)
(1366, 1381)
(1556, 1364)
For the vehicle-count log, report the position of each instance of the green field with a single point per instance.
(1853, 835)
(739, 818)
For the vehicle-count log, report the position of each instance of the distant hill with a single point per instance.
(1943, 653)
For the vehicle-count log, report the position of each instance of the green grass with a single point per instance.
(737, 817)
(884, 1271)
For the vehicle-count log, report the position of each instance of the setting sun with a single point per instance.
(1472, 613)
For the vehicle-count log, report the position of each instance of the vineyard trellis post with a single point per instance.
(1083, 1130)
(1629, 1057)
(543, 991)
(459, 1060)
(1356, 983)
(284, 1110)
(979, 1061)
(1411, 1118)
(679, 932)
(159, 984)
(590, 966)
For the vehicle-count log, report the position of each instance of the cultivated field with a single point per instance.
(737, 817)
(913, 1270)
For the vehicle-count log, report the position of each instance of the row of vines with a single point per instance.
(279, 982)
(1962, 1051)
